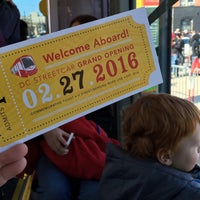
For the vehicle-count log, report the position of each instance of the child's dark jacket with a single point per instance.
(86, 156)
(127, 178)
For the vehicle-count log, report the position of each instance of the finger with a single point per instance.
(62, 151)
(11, 170)
(63, 137)
(13, 154)
(57, 147)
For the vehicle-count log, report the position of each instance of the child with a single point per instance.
(160, 152)
(64, 170)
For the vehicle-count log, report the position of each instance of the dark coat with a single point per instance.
(127, 178)
(195, 48)
(9, 24)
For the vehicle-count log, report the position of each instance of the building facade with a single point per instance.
(186, 15)
(37, 24)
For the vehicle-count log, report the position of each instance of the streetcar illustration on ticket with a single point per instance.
(58, 77)
(24, 66)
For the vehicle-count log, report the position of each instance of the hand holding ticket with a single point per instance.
(49, 81)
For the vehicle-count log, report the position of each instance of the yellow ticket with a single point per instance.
(51, 80)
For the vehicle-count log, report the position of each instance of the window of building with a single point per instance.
(186, 24)
(186, 2)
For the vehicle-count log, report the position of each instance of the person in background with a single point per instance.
(174, 55)
(177, 57)
(70, 171)
(82, 19)
(12, 161)
(195, 47)
(177, 48)
(23, 30)
(160, 152)
(104, 116)
(9, 23)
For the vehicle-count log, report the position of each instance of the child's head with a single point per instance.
(165, 128)
(82, 19)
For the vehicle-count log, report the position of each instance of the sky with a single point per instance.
(27, 6)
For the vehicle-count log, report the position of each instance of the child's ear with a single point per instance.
(164, 157)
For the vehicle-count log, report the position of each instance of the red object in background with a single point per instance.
(195, 66)
(151, 2)
(173, 36)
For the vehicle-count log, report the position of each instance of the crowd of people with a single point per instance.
(185, 49)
